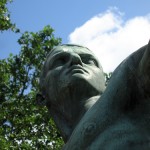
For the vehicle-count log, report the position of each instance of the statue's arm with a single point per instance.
(113, 103)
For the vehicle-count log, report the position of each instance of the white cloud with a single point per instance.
(111, 38)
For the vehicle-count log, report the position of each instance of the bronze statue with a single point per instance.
(90, 117)
(72, 80)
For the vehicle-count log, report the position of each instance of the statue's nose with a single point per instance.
(75, 60)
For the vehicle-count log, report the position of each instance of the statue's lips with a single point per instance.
(76, 69)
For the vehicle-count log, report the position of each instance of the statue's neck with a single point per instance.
(68, 114)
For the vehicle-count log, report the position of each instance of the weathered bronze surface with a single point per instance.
(90, 117)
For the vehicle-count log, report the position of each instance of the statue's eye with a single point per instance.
(60, 61)
(57, 62)
(89, 61)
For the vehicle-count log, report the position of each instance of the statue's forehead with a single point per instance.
(72, 49)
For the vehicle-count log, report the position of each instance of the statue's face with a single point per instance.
(72, 68)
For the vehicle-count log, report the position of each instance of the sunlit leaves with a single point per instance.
(23, 124)
(5, 22)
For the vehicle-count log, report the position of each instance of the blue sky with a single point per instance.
(106, 26)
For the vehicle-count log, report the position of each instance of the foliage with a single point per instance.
(23, 124)
(107, 77)
(5, 22)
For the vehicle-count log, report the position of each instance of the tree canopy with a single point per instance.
(23, 123)
(5, 21)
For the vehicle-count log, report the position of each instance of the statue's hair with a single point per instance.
(43, 71)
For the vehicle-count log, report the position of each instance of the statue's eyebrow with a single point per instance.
(56, 54)
(88, 56)
(85, 55)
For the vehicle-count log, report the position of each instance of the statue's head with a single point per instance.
(70, 82)
(71, 69)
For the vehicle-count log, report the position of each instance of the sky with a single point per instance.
(112, 29)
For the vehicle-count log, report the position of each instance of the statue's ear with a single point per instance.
(40, 99)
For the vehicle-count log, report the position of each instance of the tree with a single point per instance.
(24, 124)
(5, 21)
